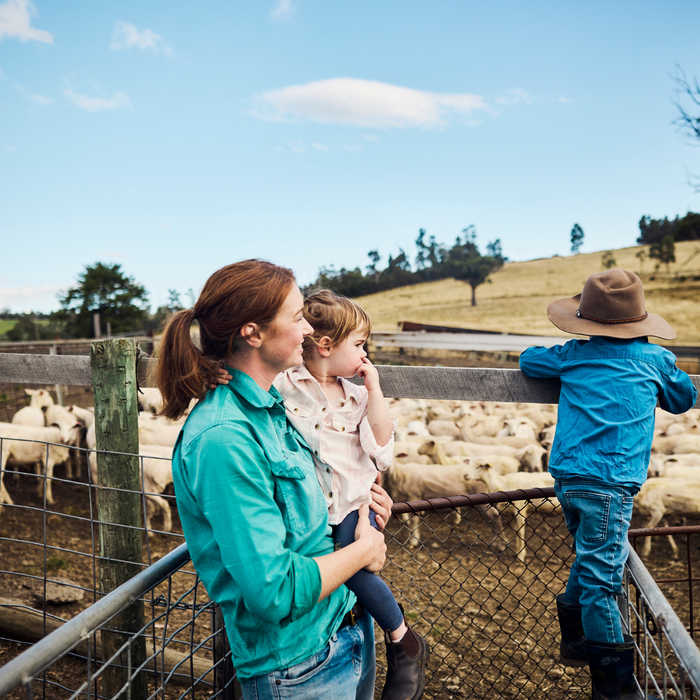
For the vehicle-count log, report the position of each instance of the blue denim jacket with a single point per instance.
(609, 390)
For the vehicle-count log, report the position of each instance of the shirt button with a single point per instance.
(342, 403)
(316, 452)
(296, 410)
(328, 469)
(317, 426)
(323, 410)
(342, 428)
(330, 494)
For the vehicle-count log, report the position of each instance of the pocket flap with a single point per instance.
(286, 470)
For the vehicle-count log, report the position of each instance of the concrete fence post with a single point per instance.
(113, 365)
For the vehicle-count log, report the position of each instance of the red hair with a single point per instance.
(250, 291)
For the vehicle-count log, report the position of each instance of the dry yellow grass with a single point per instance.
(516, 299)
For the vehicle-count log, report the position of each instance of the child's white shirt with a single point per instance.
(339, 434)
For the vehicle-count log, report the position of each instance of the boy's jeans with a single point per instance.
(598, 517)
(343, 670)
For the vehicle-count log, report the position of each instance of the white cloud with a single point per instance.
(514, 97)
(16, 22)
(39, 298)
(2, 75)
(111, 254)
(98, 104)
(126, 36)
(41, 99)
(365, 103)
(38, 99)
(8, 149)
(566, 100)
(283, 9)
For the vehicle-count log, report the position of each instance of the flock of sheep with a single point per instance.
(441, 448)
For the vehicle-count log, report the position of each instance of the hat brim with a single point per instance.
(562, 314)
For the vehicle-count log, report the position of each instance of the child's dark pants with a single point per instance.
(370, 590)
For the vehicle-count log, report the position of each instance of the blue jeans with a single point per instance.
(343, 670)
(371, 591)
(598, 517)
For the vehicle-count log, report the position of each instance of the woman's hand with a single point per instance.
(372, 539)
(381, 503)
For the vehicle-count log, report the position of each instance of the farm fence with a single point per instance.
(484, 602)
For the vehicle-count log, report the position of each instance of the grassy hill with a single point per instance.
(516, 299)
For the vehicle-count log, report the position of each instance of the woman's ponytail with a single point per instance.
(183, 372)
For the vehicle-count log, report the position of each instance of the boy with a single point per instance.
(610, 385)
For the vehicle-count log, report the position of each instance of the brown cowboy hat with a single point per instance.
(611, 304)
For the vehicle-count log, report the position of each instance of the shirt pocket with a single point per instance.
(299, 496)
(343, 424)
(295, 408)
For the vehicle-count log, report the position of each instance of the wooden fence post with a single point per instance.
(113, 365)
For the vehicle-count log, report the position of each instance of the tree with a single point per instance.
(465, 263)
(664, 252)
(174, 303)
(576, 238)
(688, 119)
(28, 327)
(641, 256)
(374, 258)
(105, 288)
(609, 260)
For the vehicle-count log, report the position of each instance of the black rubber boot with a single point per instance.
(571, 651)
(405, 669)
(612, 671)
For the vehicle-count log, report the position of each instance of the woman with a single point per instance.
(253, 514)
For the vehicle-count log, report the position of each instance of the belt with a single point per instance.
(352, 616)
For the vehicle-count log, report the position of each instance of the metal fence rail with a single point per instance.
(488, 616)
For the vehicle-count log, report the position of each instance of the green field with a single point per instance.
(516, 299)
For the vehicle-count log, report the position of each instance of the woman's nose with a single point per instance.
(308, 328)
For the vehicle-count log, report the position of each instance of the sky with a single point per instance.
(174, 137)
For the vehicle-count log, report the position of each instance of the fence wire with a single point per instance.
(477, 576)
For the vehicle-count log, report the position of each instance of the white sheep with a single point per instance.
(413, 482)
(156, 474)
(664, 496)
(40, 398)
(29, 447)
(510, 482)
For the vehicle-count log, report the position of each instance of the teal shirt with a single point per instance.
(254, 517)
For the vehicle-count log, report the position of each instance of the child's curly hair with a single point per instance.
(334, 316)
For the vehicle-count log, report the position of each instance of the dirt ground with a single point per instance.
(489, 618)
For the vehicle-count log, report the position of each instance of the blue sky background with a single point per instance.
(174, 138)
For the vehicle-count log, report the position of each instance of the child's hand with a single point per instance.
(368, 372)
(220, 377)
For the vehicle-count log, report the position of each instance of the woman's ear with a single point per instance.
(324, 346)
(251, 335)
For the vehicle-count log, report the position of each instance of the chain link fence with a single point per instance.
(489, 617)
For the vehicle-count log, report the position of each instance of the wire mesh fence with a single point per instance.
(489, 616)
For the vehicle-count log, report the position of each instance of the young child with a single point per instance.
(345, 424)
(610, 385)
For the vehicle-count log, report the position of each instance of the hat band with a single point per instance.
(611, 320)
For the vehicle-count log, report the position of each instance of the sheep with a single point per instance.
(30, 416)
(28, 447)
(150, 401)
(85, 415)
(519, 427)
(444, 428)
(40, 398)
(664, 496)
(155, 431)
(509, 482)
(58, 415)
(413, 482)
(687, 444)
(156, 474)
(531, 457)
